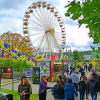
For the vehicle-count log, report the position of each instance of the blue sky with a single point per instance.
(11, 19)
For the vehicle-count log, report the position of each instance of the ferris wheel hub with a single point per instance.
(52, 31)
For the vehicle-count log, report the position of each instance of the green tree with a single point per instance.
(18, 64)
(87, 12)
(76, 55)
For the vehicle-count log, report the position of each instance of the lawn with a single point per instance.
(16, 95)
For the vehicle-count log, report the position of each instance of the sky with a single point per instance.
(11, 19)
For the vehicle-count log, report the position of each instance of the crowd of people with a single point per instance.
(66, 88)
(71, 85)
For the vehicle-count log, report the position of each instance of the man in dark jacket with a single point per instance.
(95, 75)
(82, 87)
(92, 87)
(81, 70)
(24, 89)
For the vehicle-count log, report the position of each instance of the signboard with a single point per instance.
(29, 72)
(44, 68)
(36, 75)
(6, 72)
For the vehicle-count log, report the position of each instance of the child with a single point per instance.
(82, 87)
(58, 91)
(70, 90)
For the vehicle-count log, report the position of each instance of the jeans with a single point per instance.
(76, 86)
(81, 96)
(58, 99)
(94, 96)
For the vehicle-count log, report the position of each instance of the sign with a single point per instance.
(44, 67)
(36, 75)
(39, 57)
(29, 72)
(6, 72)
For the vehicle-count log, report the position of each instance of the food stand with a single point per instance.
(58, 70)
(45, 69)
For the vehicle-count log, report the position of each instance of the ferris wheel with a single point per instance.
(43, 27)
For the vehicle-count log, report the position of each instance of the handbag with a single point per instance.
(52, 91)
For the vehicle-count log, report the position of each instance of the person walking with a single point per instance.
(95, 75)
(58, 91)
(77, 70)
(82, 87)
(75, 79)
(92, 87)
(81, 69)
(62, 82)
(83, 74)
(43, 88)
(70, 90)
(24, 89)
(65, 79)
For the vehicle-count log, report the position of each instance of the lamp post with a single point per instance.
(68, 51)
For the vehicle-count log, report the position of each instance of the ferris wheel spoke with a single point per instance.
(44, 16)
(56, 41)
(59, 37)
(54, 19)
(41, 17)
(49, 18)
(46, 19)
(38, 19)
(37, 39)
(55, 24)
(36, 23)
(35, 28)
(41, 41)
(35, 34)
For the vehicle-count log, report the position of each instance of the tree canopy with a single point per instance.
(17, 41)
(87, 12)
(76, 55)
(18, 64)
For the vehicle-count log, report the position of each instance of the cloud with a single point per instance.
(11, 4)
(11, 24)
(70, 22)
(11, 19)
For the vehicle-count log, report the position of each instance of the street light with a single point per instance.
(68, 51)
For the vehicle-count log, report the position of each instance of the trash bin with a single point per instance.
(5, 96)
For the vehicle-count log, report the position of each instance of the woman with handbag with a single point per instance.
(43, 88)
(58, 91)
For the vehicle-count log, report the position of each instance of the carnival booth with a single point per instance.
(57, 70)
(46, 69)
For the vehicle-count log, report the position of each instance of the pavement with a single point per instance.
(35, 88)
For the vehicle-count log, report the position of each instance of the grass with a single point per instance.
(16, 95)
